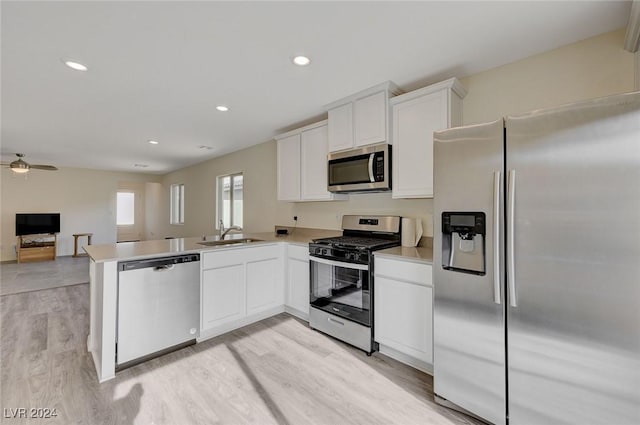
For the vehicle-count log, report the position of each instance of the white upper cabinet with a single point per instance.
(313, 164)
(361, 119)
(289, 168)
(302, 165)
(416, 115)
(370, 119)
(340, 128)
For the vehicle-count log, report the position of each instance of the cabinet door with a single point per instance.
(223, 295)
(403, 319)
(264, 285)
(298, 285)
(370, 119)
(341, 128)
(289, 168)
(314, 149)
(414, 122)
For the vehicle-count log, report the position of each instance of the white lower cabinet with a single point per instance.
(404, 311)
(223, 295)
(264, 285)
(298, 289)
(240, 286)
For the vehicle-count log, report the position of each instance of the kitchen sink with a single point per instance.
(229, 242)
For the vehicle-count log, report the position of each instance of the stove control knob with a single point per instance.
(325, 251)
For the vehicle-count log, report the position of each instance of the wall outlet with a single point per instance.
(295, 218)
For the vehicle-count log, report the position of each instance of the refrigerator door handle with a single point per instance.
(496, 237)
(511, 263)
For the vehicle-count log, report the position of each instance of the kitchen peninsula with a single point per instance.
(240, 283)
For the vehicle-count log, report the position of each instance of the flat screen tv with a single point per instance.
(40, 223)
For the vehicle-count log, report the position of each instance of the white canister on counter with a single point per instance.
(411, 231)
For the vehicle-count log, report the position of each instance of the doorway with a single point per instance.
(130, 212)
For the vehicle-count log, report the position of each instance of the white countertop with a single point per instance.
(419, 254)
(125, 251)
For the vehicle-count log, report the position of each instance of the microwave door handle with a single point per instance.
(372, 178)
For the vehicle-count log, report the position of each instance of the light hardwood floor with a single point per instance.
(277, 371)
(27, 277)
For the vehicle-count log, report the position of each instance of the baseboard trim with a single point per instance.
(236, 324)
(297, 313)
(406, 359)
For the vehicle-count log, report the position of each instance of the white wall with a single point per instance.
(85, 199)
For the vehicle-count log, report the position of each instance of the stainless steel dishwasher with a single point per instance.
(158, 307)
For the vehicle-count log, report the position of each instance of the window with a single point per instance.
(125, 209)
(177, 204)
(230, 200)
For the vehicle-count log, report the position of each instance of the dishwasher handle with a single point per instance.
(158, 264)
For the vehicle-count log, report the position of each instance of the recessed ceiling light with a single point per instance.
(153, 142)
(75, 65)
(209, 148)
(301, 60)
(140, 165)
(222, 108)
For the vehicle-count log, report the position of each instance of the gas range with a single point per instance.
(342, 278)
(361, 236)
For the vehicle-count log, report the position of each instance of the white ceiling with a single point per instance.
(158, 69)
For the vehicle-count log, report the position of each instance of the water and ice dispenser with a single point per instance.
(463, 242)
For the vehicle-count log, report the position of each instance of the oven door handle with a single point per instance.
(339, 263)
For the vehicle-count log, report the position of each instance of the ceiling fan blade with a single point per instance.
(43, 167)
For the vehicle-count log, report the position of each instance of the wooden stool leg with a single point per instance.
(75, 245)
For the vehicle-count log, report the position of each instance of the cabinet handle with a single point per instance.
(496, 237)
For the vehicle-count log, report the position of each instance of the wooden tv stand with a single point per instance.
(37, 248)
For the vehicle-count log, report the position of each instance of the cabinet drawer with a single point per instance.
(231, 255)
(404, 270)
(219, 258)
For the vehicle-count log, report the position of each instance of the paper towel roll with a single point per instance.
(411, 231)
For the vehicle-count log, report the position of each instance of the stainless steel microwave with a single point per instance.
(366, 169)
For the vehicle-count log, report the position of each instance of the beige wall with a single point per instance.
(596, 67)
(328, 215)
(261, 209)
(85, 199)
(591, 68)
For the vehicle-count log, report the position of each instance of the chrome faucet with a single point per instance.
(223, 231)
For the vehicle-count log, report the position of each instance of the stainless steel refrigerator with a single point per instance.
(537, 265)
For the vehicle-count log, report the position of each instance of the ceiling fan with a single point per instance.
(21, 166)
